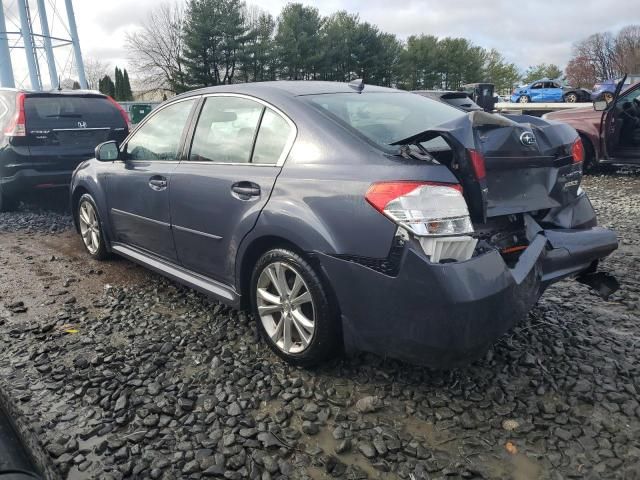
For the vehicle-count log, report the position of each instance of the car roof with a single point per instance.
(64, 92)
(290, 88)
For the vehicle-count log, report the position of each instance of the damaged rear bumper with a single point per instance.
(442, 315)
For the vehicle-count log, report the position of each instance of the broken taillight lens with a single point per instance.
(477, 163)
(423, 208)
(577, 151)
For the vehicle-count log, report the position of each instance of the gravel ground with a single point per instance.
(114, 372)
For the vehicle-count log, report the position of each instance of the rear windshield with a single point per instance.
(385, 117)
(62, 110)
(460, 100)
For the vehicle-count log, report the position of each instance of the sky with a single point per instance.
(526, 32)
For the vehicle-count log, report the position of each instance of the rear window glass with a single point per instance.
(386, 118)
(95, 111)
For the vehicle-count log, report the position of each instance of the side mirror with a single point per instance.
(107, 151)
(600, 105)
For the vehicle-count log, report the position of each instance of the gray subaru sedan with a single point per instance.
(348, 217)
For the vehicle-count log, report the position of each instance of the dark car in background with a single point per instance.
(459, 100)
(347, 217)
(549, 91)
(605, 90)
(610, 131)
(45, 135)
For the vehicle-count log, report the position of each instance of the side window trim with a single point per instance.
(183, 136)
(293, 133)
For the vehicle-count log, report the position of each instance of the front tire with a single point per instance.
(295, 312)
(590, 164)
(523, 99)
(91, 228)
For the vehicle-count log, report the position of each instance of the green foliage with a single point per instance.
(214, 33)
(543, 70)
(106, 86)
(504, 75)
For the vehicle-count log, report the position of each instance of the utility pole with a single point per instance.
(76, 44)
(27, 38)
(6, 69)
(48, 48)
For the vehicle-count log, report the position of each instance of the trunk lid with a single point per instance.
(528, 162)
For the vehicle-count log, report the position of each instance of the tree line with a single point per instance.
(214, 42)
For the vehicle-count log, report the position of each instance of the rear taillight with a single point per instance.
(423, 208)
(17, 126)
(436, 213)
(577, 151)
(477, 163)
(122, 111)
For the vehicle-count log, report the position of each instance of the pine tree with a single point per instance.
(118, 85)
(126, 87)
(106, 86)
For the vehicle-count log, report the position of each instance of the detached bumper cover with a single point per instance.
(445, 314)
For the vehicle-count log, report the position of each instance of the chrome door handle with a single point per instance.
(158, 183)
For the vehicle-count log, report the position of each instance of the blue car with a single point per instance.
(606, 89)
(548, 91)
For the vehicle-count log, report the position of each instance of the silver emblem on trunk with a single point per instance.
(527, 139)
(82, 124)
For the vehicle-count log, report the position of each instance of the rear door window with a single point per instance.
(274, 134)
(226, 130)
(67, 111)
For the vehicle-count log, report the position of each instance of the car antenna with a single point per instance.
(357, 84)
(59, 83)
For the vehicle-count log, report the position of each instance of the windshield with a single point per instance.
(385, 117)
(67, 110)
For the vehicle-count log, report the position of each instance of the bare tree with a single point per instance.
(156, 49)
(599, 50)
(628, 49)
(94, 71)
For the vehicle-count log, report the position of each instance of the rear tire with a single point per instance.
(607, 97)
(91, 228)
(524, 99)
(591, 166)
(295, 311)
(571, 97)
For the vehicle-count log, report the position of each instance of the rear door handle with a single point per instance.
(158, 183)
(245, 190)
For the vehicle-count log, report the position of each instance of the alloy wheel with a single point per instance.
(608, 97)
(285, 307)
(89, 226)
(523, 99)
(572, 98)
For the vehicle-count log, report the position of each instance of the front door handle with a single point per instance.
(245, 190)
(158, 183)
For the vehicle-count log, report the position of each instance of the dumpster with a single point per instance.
(137, 111)
(482, 94)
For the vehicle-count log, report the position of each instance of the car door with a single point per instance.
(621, 130)
(536, 91)
(238, 147)
(553, 92)
(138, 186)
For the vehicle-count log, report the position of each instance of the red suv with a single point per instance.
(610, 132)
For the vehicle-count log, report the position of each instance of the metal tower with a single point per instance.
(38, 41)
